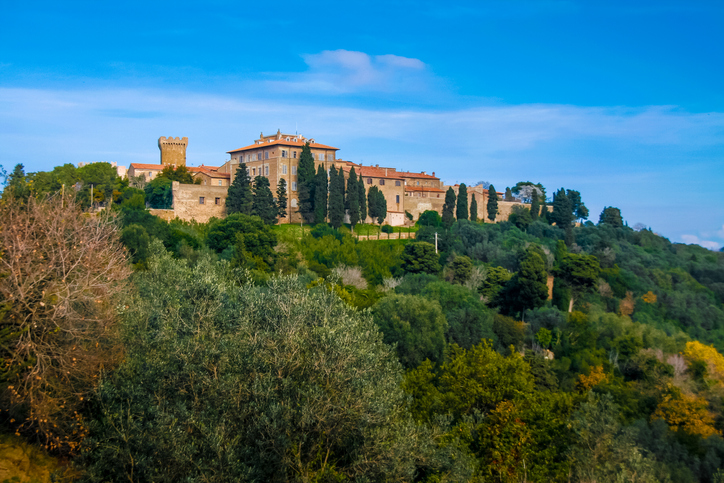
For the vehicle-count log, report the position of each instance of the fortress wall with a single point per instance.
(173, 150)
(187, 205)
(417, 205)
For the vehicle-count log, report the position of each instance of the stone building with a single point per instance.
(173, 150)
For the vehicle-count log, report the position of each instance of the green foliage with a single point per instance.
(473, 209)
(306, 184)
(420, 257)
(320, 189)
(362, 200)
(239, 230)
(263, 204)
(492, 206)
(611, 216)
(136, 239)
(336, 197)
(429, 218)
(415, 325)
(462, 268)
(508, 195)
(534, 206)
(353, 198)
(521, 217)
(528, 288)
(377, 205)
(448, 209)
(180, 174)
(158, 193)
(17, 185)
(282, 199)
(251, 384)
(239, 198)
(461, 213)
(562, 209)
(495, 279)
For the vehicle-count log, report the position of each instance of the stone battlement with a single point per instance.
(173, 150)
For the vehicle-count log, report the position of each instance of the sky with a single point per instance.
(620, 100)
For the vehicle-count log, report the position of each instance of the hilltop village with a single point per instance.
(276, 157)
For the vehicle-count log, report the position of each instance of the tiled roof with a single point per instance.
(407, 174)
(426, 189)
(203, 169)
(159, 167)
(282, 142)
(372, 171)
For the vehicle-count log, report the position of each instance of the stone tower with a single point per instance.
(173, 150)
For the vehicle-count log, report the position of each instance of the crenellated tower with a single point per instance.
(173, 150)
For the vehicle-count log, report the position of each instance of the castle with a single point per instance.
(276, 157)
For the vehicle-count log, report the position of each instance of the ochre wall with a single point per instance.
(186, 201)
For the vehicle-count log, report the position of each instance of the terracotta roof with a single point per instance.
(203, 169)
(214, 174)
(147, 166)
(426, 189)
(372, 171)
(282, 142)
(407, 174)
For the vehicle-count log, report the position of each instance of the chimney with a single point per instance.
(423, 173)
(433, 173)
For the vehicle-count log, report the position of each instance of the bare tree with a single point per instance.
(63, 273)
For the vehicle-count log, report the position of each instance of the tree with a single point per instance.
(159, 193)
(580, 272)
(65, 274)
(534, 206)
(524, 191)
(462, 268)
(321, 189)
(336, 197)
(448, 209)
(352, 202)
(420, 257)
(248, 236)
(580, 212)
(282, 198)
(362, 200)
(508, 195)
(263, 204)
(239, 198)
(415, 325)
(520, 216)
(473, 209)
(562, 209)
(492, 203)
(611, 216)
(17, 185)
(101, 178)
(306, 183)
(377, 204)
(528, 289)
(462, 209)
(180, 174)
(232, 382)
(430, 218)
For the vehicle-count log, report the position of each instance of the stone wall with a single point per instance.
(198, 202)
(173, 150)
(416, 205)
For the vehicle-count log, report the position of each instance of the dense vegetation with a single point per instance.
(534, 349)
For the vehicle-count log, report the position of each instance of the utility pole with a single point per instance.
(435, 243)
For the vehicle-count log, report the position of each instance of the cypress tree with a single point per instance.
(282, 198)
(377, 205)
(492, 203)
(352, 203)
(562, 211)
(448, 209)
(306, 183)
(462, 209)
(263, 204)
(336, 197)
(321, 186)
(239, 197)
(508, 194)
(534, 205)
(362, 200)
(473, 208)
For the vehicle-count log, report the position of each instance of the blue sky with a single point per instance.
(622, 101)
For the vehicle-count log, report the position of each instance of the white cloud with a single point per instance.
(695, 240)
(344, 71)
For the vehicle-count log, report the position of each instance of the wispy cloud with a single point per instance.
(695, 240)
(337, 72)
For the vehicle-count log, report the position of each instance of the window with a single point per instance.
(201, 200)
(294, 168)
(266, 154)
(295, 140)
(287, 138)
(248, 170)
(382, 182)
(397, 198)
(218, 201)
(294, 203)
(266, 170)
(220, 181)
(295, 155)
(294, 187)
(284, 169)
(369, 180)
(418, 183)
(398, 183)
(253, 171)
(284, 153)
